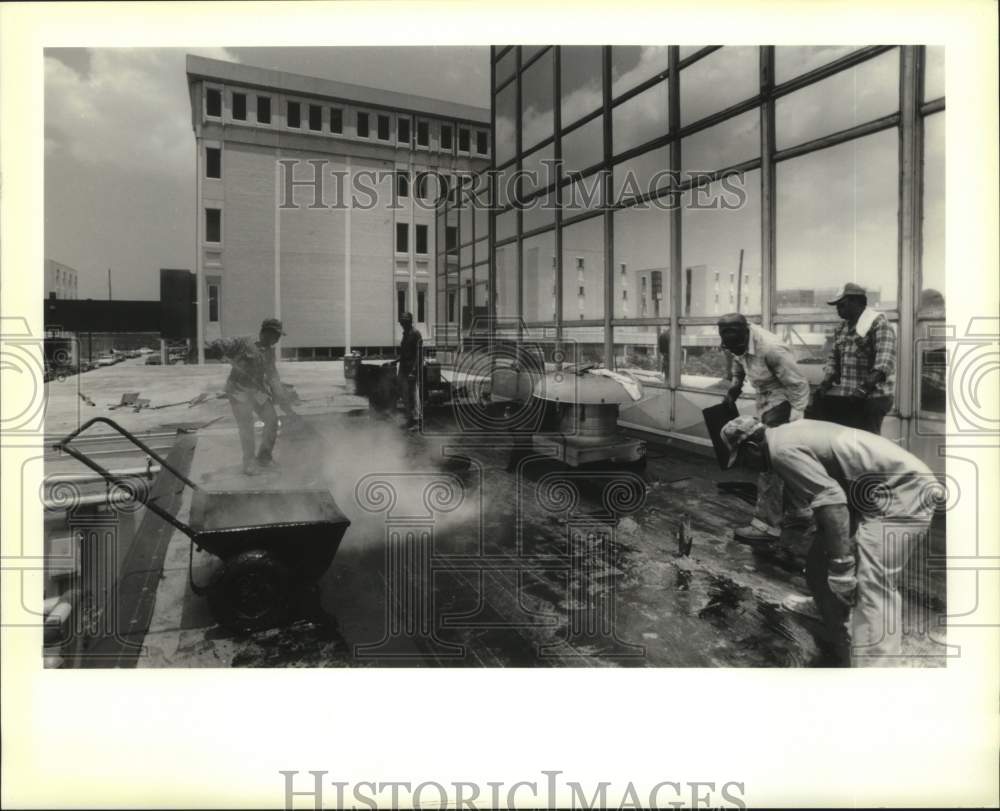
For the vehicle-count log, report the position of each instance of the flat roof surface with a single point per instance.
(200, 67)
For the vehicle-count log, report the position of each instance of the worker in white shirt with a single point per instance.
(873, 503)
(782, 396)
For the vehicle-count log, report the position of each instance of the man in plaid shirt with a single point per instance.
(862, 364)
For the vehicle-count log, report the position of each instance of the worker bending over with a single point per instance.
(873, 501)
(782, 396)
(253, 388)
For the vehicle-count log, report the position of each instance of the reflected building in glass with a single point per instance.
(640, 192)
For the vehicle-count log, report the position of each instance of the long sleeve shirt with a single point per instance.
(770, 367)
(822, 463)
(868, 346)
(410, 348)
(254, 374)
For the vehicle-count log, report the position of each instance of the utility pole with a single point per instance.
(739, 283)
(111, 337)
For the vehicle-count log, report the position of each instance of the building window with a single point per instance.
(400, 301)
(403, 130)
(294, 114)
(423, 185)
(362, 125)
(579, 263)
(213, 102)
(446, 136)
(420, 307)
(451, 306)
(239, 106)
(482, 142)
(263, 110)
(624, 295)
(451, 239)
(423, 133)
(315, 117)
(421, 240)
(463, 139)
(402, 184)
(336, 120)
(582, 291)
(213, 225)
(402, 237)
(213, 162)
(213, 303)
(383, 128)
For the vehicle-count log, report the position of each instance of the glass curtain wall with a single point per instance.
(643, 191)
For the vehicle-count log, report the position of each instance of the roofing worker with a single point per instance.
(872, 500)
(254, 387)
(782, 396)
(409, 363)
(862, 363)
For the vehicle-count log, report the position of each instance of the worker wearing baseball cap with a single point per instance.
(862, 363)
(782, 392)
(850, 479)
(253, 387)
(410, 363)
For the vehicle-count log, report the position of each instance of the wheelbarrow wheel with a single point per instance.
(251, 592)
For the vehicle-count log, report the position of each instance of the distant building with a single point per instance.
(337, 268)
(708, 291)
(60, 280)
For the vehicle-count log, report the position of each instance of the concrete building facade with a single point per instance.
(60, 280)
(316, 204)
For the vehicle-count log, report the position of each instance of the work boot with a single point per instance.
(251, 469)
(757, 532)
(267, 461)
(802, 605)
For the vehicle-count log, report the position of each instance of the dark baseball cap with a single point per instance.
(849, 289)
(273, 324)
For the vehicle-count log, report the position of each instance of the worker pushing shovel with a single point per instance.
(253, 388)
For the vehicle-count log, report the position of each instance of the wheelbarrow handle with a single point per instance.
(65, 444)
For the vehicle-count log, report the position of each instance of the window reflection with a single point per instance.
(540, 212)
(932, 237)
(642, 174)
(933, 72)
(853, 96)
(847, 233)
(643, 352)
(583, 345)
(718, 221)
(506, 66)
(717, 81)
(641, 270)
(583, 269)
(634, 64)
(703, 363)
(539, 262)
(586, 194)
(728, 143)
(505, 268)
(505, 143)
(536, 102)
(584, 146)
(506, 224)
(640, 119)
(580, 78)
(791, 61)
(539, 170)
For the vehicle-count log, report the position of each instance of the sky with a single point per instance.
(120, 152)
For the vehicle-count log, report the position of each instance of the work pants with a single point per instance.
(407, 387)
(244, 411)
(869, 634)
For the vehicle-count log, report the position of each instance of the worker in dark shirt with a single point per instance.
(408, 367)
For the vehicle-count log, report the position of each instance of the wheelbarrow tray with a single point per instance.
(301, 528)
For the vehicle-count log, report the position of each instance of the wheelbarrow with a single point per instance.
(273, 544)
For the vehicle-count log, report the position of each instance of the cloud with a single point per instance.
(129, 109)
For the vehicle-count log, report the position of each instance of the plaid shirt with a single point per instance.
(855, 356)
